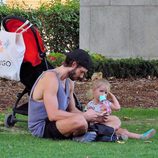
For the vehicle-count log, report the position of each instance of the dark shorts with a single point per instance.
(52, 132)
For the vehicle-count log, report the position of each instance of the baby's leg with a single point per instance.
(113, 121)
(144, 136)
(122, 132)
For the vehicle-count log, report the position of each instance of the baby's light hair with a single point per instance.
(100, 82)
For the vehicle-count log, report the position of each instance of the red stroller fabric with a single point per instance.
(32, 53)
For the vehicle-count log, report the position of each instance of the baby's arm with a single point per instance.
(115, 104)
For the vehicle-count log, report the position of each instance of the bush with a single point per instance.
(59, 26)
(133, 68)
(58, 23)
(56, 59)
(120, 68)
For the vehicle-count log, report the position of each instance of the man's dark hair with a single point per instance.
(80, 56)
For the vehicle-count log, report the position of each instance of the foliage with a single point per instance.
(124, 68)
(58, 23)
(59, 27)
(119, 68)
(56, 59)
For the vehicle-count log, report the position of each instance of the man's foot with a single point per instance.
(149, 134)
(87, 137)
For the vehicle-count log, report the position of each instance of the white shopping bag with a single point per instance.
(12, 49)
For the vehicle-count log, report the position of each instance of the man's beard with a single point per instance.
(72, 75)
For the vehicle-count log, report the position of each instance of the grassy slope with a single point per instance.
(17, 142)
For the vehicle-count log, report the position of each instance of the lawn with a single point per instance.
(17, 142)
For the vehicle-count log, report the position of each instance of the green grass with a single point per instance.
(17, 142)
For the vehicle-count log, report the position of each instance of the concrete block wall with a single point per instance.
(120, 28)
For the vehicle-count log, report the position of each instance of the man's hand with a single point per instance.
(102, 117)
(92, 116)
(105, 114)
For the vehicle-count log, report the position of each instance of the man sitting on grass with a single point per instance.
(52, 112)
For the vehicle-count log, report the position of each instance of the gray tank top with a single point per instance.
(37, 113)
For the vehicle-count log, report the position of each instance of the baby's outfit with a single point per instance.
(104, 106)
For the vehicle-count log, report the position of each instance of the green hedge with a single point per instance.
(120, 68)
(124, 68)
(58, 24)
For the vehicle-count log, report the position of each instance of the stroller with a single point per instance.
(34, 63)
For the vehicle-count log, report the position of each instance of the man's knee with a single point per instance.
(80, 122)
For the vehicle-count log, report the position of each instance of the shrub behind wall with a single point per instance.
(120, 68)
(59, 26)
(58, 23)
(127, 68)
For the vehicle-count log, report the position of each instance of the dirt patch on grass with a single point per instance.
(130, 93)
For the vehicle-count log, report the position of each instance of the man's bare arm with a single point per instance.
(50, 89)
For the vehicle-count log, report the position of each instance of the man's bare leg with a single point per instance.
(75, 125)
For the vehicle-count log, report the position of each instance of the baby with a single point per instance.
(104, 102)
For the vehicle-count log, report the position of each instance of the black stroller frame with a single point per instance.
(10, 119)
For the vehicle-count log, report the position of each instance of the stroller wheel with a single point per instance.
(9, 120)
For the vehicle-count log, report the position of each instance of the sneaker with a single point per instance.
(123, 137)
(148, 134)
(87, 137)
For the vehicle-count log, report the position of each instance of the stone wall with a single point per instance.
(120, 28)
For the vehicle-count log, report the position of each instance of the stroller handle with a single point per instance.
(26, 22)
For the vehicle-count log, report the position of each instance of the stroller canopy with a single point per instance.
(33, 41)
